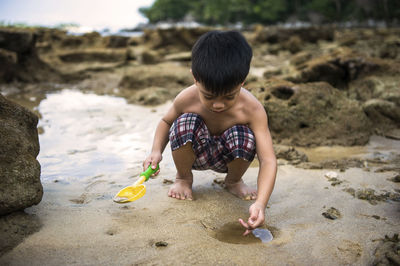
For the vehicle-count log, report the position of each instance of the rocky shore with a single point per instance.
(321, 86)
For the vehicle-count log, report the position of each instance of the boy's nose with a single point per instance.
(218, 105)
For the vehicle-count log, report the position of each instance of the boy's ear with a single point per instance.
(195, 81)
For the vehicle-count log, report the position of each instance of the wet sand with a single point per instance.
(87, 159)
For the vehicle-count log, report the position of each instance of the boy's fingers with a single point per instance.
(246, 232)
(243, 223)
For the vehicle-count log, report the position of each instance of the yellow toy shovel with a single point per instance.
(137, 190)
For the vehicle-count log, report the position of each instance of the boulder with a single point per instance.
(173, 39)
(8, 65)
(382, 111)
(164, 75)
(338, 68)
(313, 114)
(17, 41)
(19, 146)
(19, 60)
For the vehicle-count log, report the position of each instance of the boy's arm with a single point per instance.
(161, 135)
(267, 170)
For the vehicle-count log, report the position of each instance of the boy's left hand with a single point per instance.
(257, 218)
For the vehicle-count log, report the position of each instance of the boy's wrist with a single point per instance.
(261, 204)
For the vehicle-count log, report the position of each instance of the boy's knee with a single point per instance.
(184, 129)
(240, 142)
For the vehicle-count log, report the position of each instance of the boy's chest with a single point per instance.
(218, 123)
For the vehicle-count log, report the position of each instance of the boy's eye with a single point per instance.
(208, 97)
(230, 97)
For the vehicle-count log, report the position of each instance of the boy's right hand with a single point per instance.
(154, 158)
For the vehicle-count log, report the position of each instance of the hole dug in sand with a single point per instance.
(232, 233)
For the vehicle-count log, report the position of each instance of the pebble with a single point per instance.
(161, 244)
(332, 213)
(331, 174)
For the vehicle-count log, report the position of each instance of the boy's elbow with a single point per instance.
(268, 161)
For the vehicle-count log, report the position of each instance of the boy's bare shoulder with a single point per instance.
(251, 104)
(186, 96)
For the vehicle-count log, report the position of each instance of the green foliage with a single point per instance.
(271, 11)
(164, 10)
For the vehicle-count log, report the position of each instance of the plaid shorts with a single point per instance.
(212, 152)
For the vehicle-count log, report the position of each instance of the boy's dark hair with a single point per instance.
(221, 61)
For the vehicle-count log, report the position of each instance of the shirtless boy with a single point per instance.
(217, 124)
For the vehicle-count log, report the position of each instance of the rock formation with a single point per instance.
(19, 146)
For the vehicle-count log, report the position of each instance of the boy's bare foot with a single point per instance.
(241, 190)
(181, 189)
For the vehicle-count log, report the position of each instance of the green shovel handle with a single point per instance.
(149, 172)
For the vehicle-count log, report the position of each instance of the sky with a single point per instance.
(96, 14)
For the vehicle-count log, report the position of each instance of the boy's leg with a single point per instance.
(241, 147)
(183, 158)
(234, 182)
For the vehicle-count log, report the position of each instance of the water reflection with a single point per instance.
(87, 135)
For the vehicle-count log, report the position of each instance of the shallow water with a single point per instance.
(87, 135)
(233, 233)
(378, 147)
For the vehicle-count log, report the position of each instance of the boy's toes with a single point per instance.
(188, 196)
(247, 197)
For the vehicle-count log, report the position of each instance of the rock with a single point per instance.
(219, 181)
(19, 41)
(19, 170)
(294, 44)
(164, 75)
(369, 195)
(161, 244)
(149, 57)
(332, 213)
(15, 227)
(391, 48)
(168, 181)
(387, 252)
(380, 111)
(71, 41)
(280, 35)
(19, 60)
(313, 114)
(131, 54)
(93, 55)
(8, 65)
(151, 96)
(173, 39)
(338, 68)
(331, 175)
(396, 179)
(183, 57)
(300, 58)
(289, 154)
(116, 41)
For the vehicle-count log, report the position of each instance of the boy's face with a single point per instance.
(218, 104)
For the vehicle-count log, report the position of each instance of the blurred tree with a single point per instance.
(271, 11)
(166, 10)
